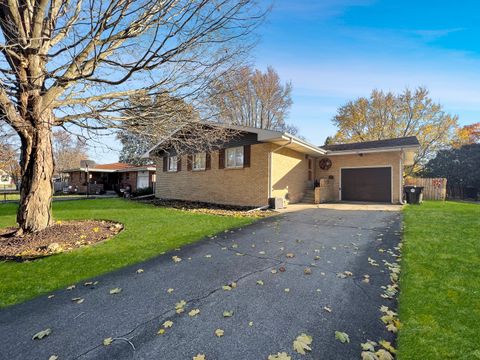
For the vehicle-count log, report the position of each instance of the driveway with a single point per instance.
(266, 317)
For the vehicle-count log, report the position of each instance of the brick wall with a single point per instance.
(368, 159)
(242, 187)
(289, 174)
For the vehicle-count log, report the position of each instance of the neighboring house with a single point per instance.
(111, 177)
(258, 164)
(6, 181)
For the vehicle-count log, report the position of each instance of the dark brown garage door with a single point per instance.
(367, 184)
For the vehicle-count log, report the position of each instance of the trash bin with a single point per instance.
(413, 194)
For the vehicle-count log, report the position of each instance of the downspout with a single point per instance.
(270, 162)
(401, 179)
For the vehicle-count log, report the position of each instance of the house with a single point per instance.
(6, 181)
(110, 177)
(256, 165)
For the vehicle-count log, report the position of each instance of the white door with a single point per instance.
(142, 180)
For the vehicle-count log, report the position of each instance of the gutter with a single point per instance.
(270, 158)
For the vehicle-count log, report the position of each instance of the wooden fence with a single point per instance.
(433, 188)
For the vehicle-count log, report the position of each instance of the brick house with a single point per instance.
(257, 164)
(111, 177)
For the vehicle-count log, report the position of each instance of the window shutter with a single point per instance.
(179, 163)
(208, 161)
(165, 163)
(189, 162)
(246, 156)
(221, 159)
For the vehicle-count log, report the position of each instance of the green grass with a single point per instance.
(439, 303)
(148, 231)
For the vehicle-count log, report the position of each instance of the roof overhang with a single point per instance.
(296, 144)
(409, 152)
(89, 170)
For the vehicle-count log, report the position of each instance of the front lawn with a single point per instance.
(148, 231)
(440, 282)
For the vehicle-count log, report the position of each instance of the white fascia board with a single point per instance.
(373, 150)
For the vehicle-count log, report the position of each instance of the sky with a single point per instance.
(334, 51)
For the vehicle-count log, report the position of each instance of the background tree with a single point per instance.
(151, 119)
(461, 166)
(468, 134)
(9, 157)
(249, 97)
(78, 63)
(68, 150)
(389, 115)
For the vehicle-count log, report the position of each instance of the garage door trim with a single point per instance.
(365, 167)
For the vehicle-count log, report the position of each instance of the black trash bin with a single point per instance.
(413, 194)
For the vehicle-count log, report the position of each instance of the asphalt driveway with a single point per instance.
(266, 317)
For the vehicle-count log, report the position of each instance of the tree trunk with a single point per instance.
(36, 189)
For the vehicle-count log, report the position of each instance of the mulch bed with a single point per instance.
(208, 208)
(60, 237)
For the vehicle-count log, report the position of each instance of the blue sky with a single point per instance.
(336, 50)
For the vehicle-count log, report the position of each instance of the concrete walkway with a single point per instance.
(266, 317)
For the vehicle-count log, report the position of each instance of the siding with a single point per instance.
(368, 159)
(242, 187)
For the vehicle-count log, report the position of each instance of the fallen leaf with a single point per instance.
(51, 296)
(388, 346)
(281, 269)
(199, 357)
(194, 312)
(261, 252)
(369, 345)
(273, 271)
(176, 259)
(279, 356)
(161, 332)
(260, 282)
(227, 313)
(115, 291)
(226, 287)
(317, 257)
(179, 307)
(78, 300)
(208, 256)
(168, 324)
(71, 287)
(367, 355)
(41, 334)
(307, 271)
(53, 357)
(383, 355)
(250, 323)
(140, 271)
(326, 308)
(290, 255)
(286, 290)
(302, 343)
(219, 332)
(170, 290)
(342, 337)
(107, 341)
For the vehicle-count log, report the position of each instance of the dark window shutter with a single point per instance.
(221, 159)
(246, 156)
(165, 163)
(208, 161)
(189, 162)
(179, 163)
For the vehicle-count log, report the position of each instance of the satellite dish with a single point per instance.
(87, 163)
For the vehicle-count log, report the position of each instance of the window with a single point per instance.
(199, 161)
(172, 163)
(234, 157)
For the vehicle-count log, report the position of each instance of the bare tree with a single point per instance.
(77, 63)
(68, 150)
(252, 98)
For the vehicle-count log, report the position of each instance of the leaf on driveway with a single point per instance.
(41, 334)
(208, 256)
(286, 290)
(367, 355)
(328, 309)
(170, 290)
(227, 313)
(168, 324)
(51, 296)
(199, 357)
(250, 323)
(290, 255)
(279, 356)
(369, 345)
(161, 332)
(115, 291)
(194, 312)
(71, 287)
(261, 252)
(53, 357)
(219, 333)
(342, 337)
(179, 307)
(388, 346)
(307, 271)
(260, 282)
(273, 271)
(107, 341)
(302, 343)
(139, 271)
(176, 259)
(78, 300)
(383, 355)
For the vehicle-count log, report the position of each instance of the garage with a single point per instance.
(366, 184)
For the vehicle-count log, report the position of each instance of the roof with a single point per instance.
(409, 141)
(112, 166)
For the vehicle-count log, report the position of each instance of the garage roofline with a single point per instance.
(371, 150)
